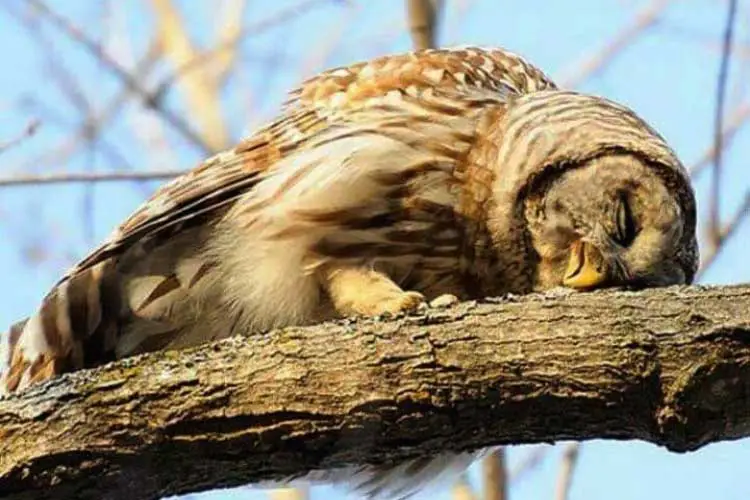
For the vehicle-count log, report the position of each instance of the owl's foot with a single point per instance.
(363, 291)
(405, 302)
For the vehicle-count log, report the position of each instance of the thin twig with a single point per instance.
(96, 124)
(146, 126)
(495, 476)
(284, 15)
(567, 468)
(68, 177)
(714, 220)
(732, 125)
(71, 87)
(203, 102)
(591, 65)
(28, 131)
(61, 154)
(725, 233)
(422, 17)
(151, 99)
(228, 27)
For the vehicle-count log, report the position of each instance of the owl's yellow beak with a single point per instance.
(586, 267)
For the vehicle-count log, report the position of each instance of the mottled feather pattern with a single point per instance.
(379, 185)
(459, 70)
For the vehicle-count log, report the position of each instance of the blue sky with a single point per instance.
(667, 74)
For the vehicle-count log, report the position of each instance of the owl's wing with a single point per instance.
(215, 183)
(82, 309)
(439, 77)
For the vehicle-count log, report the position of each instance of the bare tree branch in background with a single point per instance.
(568, 466)
(328, 42)
(423, 17)
(719, 233)
(151, 99)
(495, 476)
(714, 217)
(67, 177)
(199, 87)
(147, 127)
(28, 131)
(726, 231)
(89, 130)
(228, 28)
(594, 63)
(230, 43)
(736, 120)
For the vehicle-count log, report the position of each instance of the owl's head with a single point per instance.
(603, 199)
(611, 221)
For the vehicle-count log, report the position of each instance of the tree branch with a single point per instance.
(65, 177)
(568, 466)
(667, 366)
(422, 17)
(150, 99)
(201, 92)
(495, 476)
(28, 131)
(714, 219)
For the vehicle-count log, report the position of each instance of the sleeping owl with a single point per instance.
(378, 187)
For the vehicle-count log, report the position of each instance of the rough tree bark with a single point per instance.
(668, 366)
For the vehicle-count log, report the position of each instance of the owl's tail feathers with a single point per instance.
(398, 481)
(74, 327)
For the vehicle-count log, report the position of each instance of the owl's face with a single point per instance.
(609, 222)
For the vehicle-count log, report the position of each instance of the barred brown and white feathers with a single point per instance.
(461, 171)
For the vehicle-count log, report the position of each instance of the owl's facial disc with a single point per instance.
(610, 222)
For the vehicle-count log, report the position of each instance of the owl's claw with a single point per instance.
(366, 292)
(404, 302)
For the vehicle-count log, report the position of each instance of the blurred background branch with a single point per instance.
(567, 469)
(423, 17)
(28, 131)
(715, 232)
(201, 88)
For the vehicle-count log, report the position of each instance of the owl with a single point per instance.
(378, 187)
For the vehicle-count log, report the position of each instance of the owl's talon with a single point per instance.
(403, 303)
